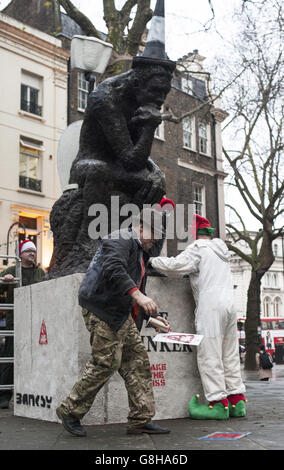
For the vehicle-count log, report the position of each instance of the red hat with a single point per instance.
(165, 201)
(26, 245)
(201, 222)
(201, 226)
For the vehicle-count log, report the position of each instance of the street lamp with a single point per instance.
(20, 224)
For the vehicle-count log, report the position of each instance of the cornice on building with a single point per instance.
(219, 114)
(27, 36)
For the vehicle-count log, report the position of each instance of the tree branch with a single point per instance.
(126, 10)
(143, 15)
(81, 19)
(177, 119)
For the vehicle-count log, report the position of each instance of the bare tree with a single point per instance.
(256, 150)
(125, 38)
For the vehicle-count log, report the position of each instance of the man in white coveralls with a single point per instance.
(207, 262)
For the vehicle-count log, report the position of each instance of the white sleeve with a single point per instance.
(185, 263)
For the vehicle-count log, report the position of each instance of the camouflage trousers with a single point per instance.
(121, 351)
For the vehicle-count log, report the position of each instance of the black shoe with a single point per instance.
(150, 428)
(72, 425)
(4, 405)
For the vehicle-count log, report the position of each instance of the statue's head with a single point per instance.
(151, 84)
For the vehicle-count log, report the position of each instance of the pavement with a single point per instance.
(264, 420)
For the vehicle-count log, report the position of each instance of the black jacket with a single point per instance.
(115, 269)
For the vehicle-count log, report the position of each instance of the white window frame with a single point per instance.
(276, 306)
(83, 86)
(160, 131)
(208, 138)
(35, 82)
(188, 132)
(187, 84)
(266, 306)
(31, 149)
(275, 249)
(275, 280)
(200, 199)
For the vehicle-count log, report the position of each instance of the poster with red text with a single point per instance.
(180, 338)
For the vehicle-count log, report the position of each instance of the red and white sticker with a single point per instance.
(43, 334)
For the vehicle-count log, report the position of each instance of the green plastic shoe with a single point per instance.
(197, 411)
(238, 410)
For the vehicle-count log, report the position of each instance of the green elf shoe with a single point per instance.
(237, 406)
(216, 410)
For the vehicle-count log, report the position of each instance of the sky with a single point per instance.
(188, 27)
(184, 23)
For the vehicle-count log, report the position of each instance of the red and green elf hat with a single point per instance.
(203, 226)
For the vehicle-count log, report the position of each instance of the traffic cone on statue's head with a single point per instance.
(155, 52)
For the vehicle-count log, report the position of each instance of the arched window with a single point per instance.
(267, 280)
(266, 306)
(276, 306)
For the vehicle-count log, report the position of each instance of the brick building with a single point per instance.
(190, 152)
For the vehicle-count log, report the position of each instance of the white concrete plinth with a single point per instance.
(52, 347)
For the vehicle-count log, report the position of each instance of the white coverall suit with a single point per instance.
(207, 262)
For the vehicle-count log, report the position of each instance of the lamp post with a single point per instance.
(20, 224)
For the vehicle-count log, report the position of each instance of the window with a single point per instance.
(276, 306)
(30, 164)
(203, 137)
(188, 133)
(83, 85)
(160, 130)
(266, 307)
(266, 280)
(187, 85)
(271, 280)
(274, 280)
(31, 93)
(198, 200)
(275, 249)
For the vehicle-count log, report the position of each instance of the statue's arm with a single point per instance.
(112, 121)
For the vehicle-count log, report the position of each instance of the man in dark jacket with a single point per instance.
(31, 274)
(108, 294)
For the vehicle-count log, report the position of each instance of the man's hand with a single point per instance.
(9, 278)
(149, 306)
(162, 320)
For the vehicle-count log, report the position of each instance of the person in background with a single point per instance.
(264, 364)
(31, 273)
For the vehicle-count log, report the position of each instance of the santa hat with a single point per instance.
(165, 201)
(203, 226)
(26, 245)
(154, 52)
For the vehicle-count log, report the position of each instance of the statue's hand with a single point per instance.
(148, 115)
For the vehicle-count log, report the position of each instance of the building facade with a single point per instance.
(32, 119)
(272, 283)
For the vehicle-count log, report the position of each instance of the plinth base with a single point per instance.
(52, 347)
